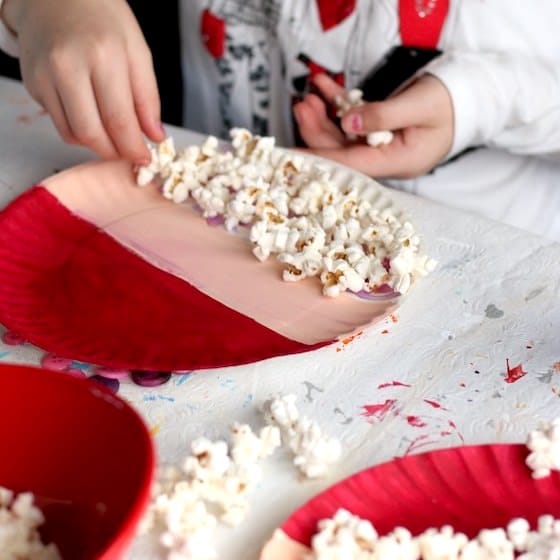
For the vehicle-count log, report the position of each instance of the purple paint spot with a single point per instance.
(150, 378)
(215, 221)
(111, 384)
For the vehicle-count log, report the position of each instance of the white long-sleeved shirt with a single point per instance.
(245, 61)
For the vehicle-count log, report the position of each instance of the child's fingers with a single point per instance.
(145, 93)
(395, 160)
(316, 129)
(329, 89)
(118, 115)
(51, 103)
(80, 108)
(417, 105)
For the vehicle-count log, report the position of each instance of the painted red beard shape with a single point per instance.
(93, 268)
(68, 287)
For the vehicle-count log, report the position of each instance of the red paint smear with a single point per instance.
(377, 412)
(416, 421)
(393, 384)
(434, 404)
(462, 385)
(27, 119)
(514, 374)
(417, 443)
(453, 425)
(556, 367)
(385, 332)
(394, 318)
(82, 299)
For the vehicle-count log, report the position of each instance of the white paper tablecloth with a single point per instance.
(432, 375)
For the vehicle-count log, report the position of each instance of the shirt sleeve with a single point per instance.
(8, 41)
(503, 100)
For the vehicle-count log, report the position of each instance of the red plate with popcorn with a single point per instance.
(470, 488)
(97, 269)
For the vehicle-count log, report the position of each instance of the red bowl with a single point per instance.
(85, 454)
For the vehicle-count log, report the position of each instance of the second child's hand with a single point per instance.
(421, 118)
(87, 63)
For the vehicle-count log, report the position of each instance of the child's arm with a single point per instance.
(508, 101)
(86, 62)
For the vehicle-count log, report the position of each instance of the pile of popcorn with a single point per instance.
(544, 444)
(354, 98)
(215, 481)
(345, 235)
(347, 537)
(20, 520)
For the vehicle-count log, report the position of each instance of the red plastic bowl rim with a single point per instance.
(125, 532)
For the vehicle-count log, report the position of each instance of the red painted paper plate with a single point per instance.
(96, 269)
(469, 487)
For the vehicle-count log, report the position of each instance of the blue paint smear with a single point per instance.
(82, 366)
(164, 398)
(149, 397)
(182, 378)
(3, 354)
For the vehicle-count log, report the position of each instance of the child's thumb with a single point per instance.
(402, 111)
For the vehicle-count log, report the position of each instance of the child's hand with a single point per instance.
(421, 118)
(86, 62)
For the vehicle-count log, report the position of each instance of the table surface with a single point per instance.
(432, 375)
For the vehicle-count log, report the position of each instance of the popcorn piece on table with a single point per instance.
(544, 444)
(313, 451)
(20, 520)
(296, 211)
(211, 488)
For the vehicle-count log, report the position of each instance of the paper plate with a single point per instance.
(96, 269)
(470, 488)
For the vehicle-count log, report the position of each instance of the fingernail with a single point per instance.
(356, 123)
(142, 162)
(162, 129)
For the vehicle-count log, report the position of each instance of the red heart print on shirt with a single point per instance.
(333, 12)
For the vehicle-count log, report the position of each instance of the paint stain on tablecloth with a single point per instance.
(514, 373)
